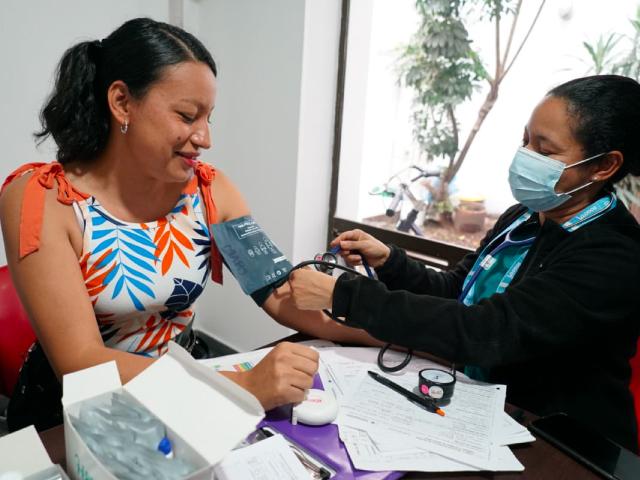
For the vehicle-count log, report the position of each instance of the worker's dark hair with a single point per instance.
(606, 112)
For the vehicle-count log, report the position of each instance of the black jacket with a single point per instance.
(560, 336)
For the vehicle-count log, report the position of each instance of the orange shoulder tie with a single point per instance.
(206, 173)
(31, 214)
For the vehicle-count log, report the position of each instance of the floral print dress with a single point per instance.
(142, 278)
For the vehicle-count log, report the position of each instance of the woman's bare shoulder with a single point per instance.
(11, 197)
(56, 217)
(229, 201)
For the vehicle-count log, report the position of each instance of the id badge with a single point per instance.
(254, 260)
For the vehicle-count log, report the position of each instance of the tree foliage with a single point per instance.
(616, 53)
(619, 54)
(443, 70)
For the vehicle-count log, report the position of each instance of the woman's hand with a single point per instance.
(282, 376)
(354, 243)
(311, 290)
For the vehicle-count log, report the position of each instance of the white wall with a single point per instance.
(33, 37)
(316, 129)
(272, 134)
(354, 112)
(272, 128)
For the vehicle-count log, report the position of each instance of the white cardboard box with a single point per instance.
(206, 415)
(23, 453)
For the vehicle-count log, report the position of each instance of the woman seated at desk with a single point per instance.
(110, 247)
(549, 303)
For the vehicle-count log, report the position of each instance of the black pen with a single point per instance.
(425, 402)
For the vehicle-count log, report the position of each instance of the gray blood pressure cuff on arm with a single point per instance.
(258, 265)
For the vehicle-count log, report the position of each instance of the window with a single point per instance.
(376, 151)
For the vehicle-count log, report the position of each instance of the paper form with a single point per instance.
(367, 455)
(465, 434)
(374, 447)
(511, 432)
(237, 362)
(241, 362)
(269, 459)
(343, 366)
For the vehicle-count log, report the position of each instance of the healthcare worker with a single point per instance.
(549, 303)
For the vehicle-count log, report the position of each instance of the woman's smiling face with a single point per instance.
(169, 125)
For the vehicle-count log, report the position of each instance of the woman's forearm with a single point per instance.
(314, 323)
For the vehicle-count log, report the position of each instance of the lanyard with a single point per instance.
(487, 258)
(590, 213)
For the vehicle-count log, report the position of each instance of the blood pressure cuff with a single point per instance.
(254, 260)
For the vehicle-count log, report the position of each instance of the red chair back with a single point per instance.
(16, 334)
(634, 386)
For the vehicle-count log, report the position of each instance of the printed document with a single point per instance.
(269, 459)
(382, 430)
(465, 434)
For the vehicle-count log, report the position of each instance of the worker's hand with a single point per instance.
(311, 290)
(282, 376)
(355, 242)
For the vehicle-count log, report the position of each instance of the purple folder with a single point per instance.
(322, 442)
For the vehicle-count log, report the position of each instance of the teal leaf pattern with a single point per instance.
(132, 254)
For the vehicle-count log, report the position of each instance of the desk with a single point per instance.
(541, 460)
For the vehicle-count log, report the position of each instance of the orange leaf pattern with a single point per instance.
(171, 240)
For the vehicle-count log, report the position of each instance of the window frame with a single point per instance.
(434, 253)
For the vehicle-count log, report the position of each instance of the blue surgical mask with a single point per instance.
(533, 178)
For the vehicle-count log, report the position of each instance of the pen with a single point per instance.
(425, 402)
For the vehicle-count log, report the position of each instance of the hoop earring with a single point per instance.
(124, 127)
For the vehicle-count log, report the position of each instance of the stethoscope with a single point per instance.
(326, 263)
(486, 260)
(489, 259)
(434, 383)
(437, 383)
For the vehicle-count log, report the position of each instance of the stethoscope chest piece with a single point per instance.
(328, 259)
(437, 384)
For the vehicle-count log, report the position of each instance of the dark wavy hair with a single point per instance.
(605, 110)
(76, 114)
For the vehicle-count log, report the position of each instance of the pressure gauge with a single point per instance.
(437, 384)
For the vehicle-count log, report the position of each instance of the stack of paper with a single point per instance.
(384, 431)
